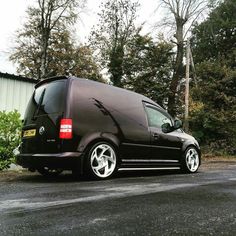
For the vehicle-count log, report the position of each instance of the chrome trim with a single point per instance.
(152, 146)
(61, 154)
(152, 168)
(148, 161)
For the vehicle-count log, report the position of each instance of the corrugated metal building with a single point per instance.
(15, 92)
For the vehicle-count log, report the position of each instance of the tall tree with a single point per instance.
(50, 13)
(63, 56)
(147, 67)
(215, 38)
(183, 13)
(214, 51)
(48, 17)
(110, 37)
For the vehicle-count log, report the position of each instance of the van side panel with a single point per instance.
(102, 108)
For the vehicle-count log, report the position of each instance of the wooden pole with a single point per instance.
(186, 114)
(193, 66)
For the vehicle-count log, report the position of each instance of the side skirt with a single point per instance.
(148, 168)
(139, 164)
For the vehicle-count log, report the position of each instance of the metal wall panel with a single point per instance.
(15, 94)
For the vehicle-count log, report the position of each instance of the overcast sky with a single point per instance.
(12, 13)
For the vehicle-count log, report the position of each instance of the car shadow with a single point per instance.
(146, 173)
(69, 177)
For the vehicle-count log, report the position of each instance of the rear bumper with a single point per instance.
(64, 160)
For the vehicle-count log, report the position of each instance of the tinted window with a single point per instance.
(156, 118)
(38, 93)
(47, 99)
(53, 98)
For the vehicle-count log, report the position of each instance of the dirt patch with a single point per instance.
(11, 175)
(218, 162)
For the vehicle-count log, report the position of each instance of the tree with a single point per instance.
(184, 13)
(64, 57)
(147, 67)
(215, 38)
(44, 21)
(214, 52)
(83, 64)
(51, 12)
(110, 37)
(214, 122)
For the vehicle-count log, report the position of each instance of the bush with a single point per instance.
(10, 128)
(213, 108)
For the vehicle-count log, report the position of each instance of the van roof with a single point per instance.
(96, 83)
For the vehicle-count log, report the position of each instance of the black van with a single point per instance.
(97, 129)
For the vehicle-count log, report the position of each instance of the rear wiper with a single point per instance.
(39, 105)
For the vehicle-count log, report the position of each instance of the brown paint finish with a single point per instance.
(99, 112)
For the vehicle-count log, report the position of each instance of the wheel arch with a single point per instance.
(91, 139)
(89, 143)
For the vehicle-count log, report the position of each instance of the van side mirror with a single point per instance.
(167, 128)
(178, 124)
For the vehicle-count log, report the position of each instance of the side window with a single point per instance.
(156, 118)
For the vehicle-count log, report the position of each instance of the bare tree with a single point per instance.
(184, 13)
(51, 12)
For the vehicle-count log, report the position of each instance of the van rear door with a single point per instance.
(46, 107)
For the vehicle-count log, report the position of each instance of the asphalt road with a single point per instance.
(153, 203)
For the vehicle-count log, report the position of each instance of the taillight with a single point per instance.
(65, 129)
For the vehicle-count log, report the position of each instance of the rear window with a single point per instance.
(47, 99)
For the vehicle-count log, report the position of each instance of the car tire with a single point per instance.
(101, 161)
(49, 172)
(190, 160)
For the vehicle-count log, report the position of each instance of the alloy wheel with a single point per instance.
(192, 160)
(103, 160)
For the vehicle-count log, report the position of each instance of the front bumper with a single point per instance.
(64, 160)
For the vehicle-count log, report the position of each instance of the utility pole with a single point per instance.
(186, 123)
(193, 66)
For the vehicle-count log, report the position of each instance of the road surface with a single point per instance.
(140, 203)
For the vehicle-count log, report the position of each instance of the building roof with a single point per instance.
(18, 77)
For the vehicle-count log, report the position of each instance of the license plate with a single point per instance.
(29, 133)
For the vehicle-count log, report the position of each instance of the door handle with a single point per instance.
(155, 135)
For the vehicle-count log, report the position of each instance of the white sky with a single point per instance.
(12, 13)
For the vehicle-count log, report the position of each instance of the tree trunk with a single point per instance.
(177, 74)
(44, 50)
(43, 61)
(116, 66)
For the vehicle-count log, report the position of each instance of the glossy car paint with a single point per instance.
(100, 112)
